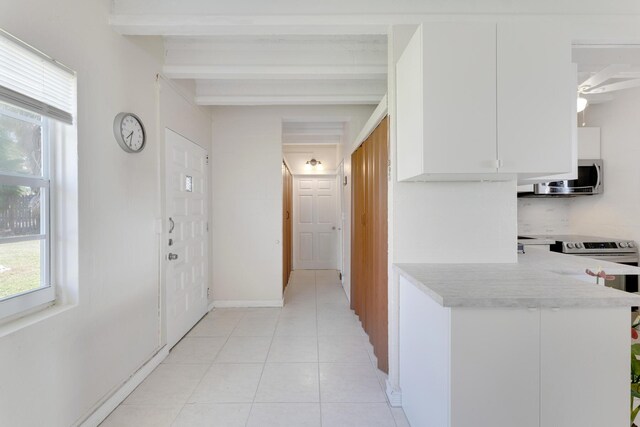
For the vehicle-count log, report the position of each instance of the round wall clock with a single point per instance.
(129, 132)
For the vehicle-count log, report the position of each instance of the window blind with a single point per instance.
(34, 81)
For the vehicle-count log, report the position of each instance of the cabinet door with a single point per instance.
(446, 100)
(536, 98)
(495, 367)
(584, 364)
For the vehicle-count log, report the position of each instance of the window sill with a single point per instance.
(12, 326)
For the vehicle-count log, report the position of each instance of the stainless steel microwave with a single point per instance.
(589, 182)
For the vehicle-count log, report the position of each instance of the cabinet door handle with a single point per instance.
(172, 225)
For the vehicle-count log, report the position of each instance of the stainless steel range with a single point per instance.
(612, 250)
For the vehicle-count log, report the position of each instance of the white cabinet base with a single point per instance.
(508, 367)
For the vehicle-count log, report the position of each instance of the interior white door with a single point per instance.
(339, 213)
(186, 240)
(315, 224)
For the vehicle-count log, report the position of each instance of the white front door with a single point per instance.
(315, 222)
(186, 245)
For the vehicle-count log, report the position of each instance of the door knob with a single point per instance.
(173, 256)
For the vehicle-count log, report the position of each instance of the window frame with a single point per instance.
(23, 303)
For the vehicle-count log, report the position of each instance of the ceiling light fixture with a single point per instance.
(582, 104)
(313, 163)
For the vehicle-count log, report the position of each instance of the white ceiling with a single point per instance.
(318, 139)
(297, 156)
(280, 70)
(608, 65)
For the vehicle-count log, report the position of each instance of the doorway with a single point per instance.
(315, 222)
(186, 244)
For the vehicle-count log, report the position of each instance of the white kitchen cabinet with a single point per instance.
(586, 145)
(535, 99)
(589, 143)
(574, 344)
(505, 367)
(446, 100)
(480, 100)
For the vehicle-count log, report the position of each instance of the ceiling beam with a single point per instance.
(273, 72)
(288, 100)
(219, 25)
(602, 76)
(612, 87)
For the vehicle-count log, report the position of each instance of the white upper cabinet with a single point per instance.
(536, 99)
(480, 100)
(446, 101)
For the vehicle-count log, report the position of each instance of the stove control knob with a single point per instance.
(579, 246)
(570, 245)
(622, 244)
(631, 245)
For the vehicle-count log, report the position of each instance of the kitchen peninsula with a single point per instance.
(522, 344)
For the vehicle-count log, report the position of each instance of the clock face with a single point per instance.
(129, 132)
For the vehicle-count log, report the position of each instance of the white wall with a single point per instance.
(56, 371)
(297, 156)
(614, 213)
(247, 197)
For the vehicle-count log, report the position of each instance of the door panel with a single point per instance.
(287, 212)
(315, 223)
(326, 209)
(306, 209)
(186, 208)
(369, 249)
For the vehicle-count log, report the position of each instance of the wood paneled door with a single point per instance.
(369, 249)
(287, 229)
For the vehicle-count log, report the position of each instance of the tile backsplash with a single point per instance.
(543, 216)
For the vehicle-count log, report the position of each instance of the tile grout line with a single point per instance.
(209, 367)
(264, 364)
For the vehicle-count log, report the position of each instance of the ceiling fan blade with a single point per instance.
(602, 76)
(627, 84)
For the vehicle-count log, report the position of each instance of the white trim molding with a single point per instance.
(248, 303)
(394, 395)
(376, 117)
(102, 411)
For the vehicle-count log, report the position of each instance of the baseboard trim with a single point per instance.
(118, 396)
(211, 306)
(394, 396)
(248, 303)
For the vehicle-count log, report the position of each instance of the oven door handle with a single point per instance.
(598, 177)
(621, 259)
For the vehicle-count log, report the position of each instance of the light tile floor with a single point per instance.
(307, 364)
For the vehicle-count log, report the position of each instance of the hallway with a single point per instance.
(307, 364)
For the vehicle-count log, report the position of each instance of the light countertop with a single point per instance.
(536, 241)
(539, 279)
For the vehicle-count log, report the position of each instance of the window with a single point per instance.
(36, 95)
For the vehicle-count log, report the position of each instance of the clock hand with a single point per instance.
(130, 135)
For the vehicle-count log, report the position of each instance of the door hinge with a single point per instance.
(207, 159)
(207, 225)
(389, 170)
(208, 293)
